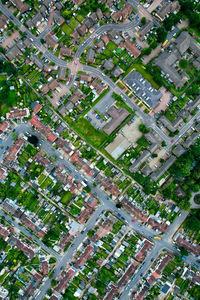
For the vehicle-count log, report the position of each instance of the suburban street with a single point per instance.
(106, 204)
(17, 226)
(147, 119)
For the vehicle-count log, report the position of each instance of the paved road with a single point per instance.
(147, 119)
(184, 129)
(23, 230)
(106, 204)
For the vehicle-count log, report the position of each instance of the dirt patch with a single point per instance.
(155, 162)
(10, 39)
(131, 131)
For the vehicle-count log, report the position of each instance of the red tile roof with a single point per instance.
(3, 232)
(37, 108)
(143, 252)
(84, 257)
(3, 126)
(64, 281)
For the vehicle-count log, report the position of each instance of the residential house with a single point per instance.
(58, 19)
(3, 174)
(116, 72)
(166, 8)
(3, 127)
(64, 51)
(121, 15)
(51, 42)
(90, 55)
(140, 160)
(108, 64)
(146, 246)
(132, 48)
(98, 86)
(82, 30)
(3, 22)
(18, 113)
(12, 52)
(21, 6)
(4, 233)
(145, 29)
(37, 61)
(85, 77)
(84, 257)
(27, 250)
(134, 211)
(62, 73)
(191, 139)
(161, 171)
(178, 150)
(167, 60)
(105, 39)
(99, 14)
(63, 282)
(127, 275)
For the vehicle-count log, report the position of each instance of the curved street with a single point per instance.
(106, 204)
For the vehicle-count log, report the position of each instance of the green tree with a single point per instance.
(161, 34)
(192, 223)
(143, 128)
(197, 199)
(184, 252)
(154, 44)
(146, 51)
(143, 20)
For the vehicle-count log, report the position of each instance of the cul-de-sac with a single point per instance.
(99, 149)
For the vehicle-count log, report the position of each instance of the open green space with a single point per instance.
(41, 178)
(66, 29)
(89, 133)
(47, 183)
(73, 23)
(111, 46)
(66, 197)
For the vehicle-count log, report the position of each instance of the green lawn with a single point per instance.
(66, 29)
(80, 18)
(73, 23)
(41, 178)
(48, 182)
(111, 46)
(89, 133)
(66, 197)
(3, 77)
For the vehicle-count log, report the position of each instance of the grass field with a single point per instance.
(41, 178)
(90, 133)
(80, 18)
(66, 29)
(66, 198)
(111, 46)
(73, 23)
(45, 184)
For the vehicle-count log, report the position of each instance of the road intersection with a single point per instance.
(106, 204)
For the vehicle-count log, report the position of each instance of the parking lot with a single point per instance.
(99, 120)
